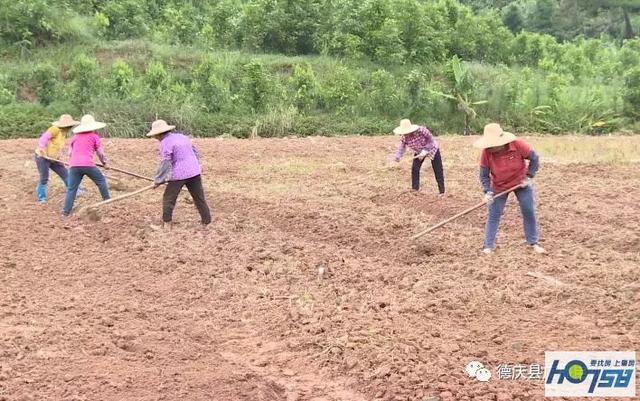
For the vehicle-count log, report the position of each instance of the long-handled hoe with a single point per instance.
(463, 213)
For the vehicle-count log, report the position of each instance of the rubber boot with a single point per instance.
(41, 193)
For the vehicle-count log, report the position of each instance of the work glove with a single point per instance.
(488, 197)
(527, 182)
(422, 154)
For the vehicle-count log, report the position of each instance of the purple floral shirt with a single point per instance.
(418, 141)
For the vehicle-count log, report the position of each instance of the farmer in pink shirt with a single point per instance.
(424, 145)
(179, 166)
(82, 147)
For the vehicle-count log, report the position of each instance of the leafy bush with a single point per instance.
(257, 86)
(126, 18)
(383, 96)
(156, 77)
(7, 95)
(305, 86)
(47, 82)
(340, 90)
(209, 82)
(121, 79)
(632, 93)
(85, 80)
(36, 22)
(24, 120)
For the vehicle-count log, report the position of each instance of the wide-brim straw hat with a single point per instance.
(159, 127)
(65, 121)
(87, 124)
(405, 127)
(493, 136)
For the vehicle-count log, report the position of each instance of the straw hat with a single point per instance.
(87, 124)
(493, 136)
(65, 121)
(159, 127)
(405, 127)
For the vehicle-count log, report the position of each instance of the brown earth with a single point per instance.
(119, 310)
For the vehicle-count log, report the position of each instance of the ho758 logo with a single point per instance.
(583, 374)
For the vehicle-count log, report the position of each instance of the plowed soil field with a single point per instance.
(119, 309)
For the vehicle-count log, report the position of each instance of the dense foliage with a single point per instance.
(273, 67)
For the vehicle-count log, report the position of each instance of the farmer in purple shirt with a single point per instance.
(179, 166)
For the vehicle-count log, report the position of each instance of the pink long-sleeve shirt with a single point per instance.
(82, 147)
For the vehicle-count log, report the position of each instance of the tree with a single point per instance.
(624, 8)
(513, 19)
(632, 93)
(543, 16)
(569, 20)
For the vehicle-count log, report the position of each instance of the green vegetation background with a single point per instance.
(308, 67)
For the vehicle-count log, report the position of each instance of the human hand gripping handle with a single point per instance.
(421, 155)
(488, 197)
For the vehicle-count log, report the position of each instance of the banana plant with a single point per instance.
(461, 92)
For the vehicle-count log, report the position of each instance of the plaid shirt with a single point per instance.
(418, 141)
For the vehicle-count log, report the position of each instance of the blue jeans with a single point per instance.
(527, 207)
(75, 177)
(43, 169)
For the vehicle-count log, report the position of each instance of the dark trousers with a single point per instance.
(438, 171)
(171, 192)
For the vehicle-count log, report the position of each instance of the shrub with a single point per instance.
(383, 94)
(85, 79)
(7, 95)
(632, 93)
(24, 120)
(121, 79)
(304, 86)
(257, 86)
(156, 77)
(46, 80)
(127, 18)
(340, 90)
(210, 84)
